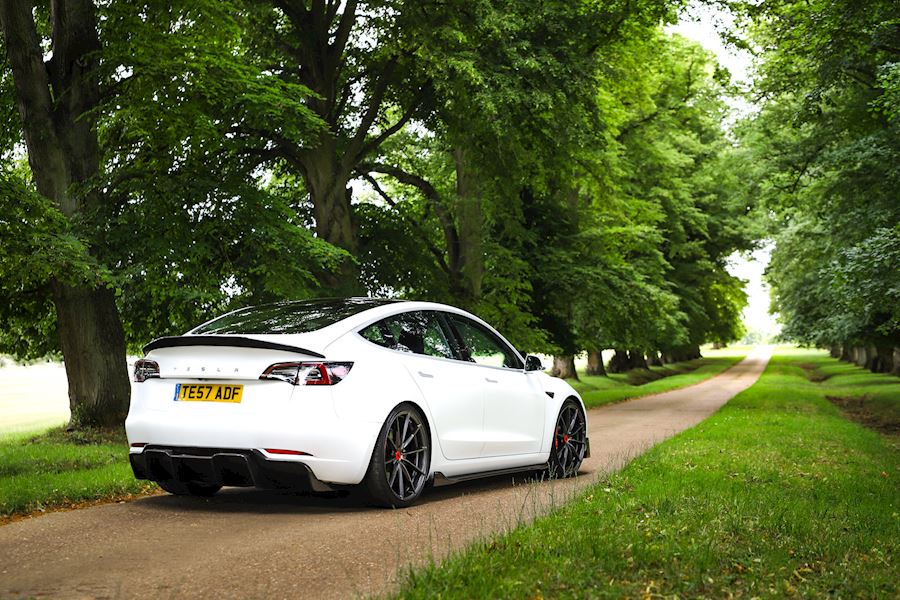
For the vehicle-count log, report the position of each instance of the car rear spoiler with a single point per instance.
(221, 340)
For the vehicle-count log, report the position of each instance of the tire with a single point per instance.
(190, 488)
(569, 441)
(398, 472)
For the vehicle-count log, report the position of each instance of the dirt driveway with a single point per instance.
(255, 544)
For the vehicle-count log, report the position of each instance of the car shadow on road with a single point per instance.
(239, 500)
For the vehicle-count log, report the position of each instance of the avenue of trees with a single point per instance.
(561, 169)
(825, 156)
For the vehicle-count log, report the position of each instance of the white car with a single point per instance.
(321, 395)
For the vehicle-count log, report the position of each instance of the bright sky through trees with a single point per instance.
(699, 23)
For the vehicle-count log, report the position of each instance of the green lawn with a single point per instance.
(58, 469)
(596, 391)
(775, 495)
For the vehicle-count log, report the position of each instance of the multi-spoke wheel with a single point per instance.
(569, 441)
(399, 467)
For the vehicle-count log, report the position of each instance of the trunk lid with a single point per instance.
(223, 357)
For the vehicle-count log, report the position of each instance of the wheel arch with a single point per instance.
(429, 422)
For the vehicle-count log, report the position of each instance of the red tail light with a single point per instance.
(144, 370)
(308, 373)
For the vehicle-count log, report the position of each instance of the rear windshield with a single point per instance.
(289, 317)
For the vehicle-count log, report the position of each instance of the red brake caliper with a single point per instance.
(397, 456)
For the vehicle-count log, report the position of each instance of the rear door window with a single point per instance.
(419, 332)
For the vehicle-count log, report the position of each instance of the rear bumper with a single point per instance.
(223, 466)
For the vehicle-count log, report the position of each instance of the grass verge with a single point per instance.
(599, 390)
(775, 495)
(59, 469)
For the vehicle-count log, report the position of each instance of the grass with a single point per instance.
(599, 390)
(59, 469)
(775, 495)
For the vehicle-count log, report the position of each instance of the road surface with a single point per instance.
(254, 544)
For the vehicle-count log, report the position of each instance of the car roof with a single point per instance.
(379, 308)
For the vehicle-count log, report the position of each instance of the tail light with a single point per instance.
(144, 370)
(308, 373)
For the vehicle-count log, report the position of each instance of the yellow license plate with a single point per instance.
(208, 392)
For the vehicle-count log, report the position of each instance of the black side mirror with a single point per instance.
(533, 363)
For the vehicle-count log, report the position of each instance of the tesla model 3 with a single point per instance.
(321, 395)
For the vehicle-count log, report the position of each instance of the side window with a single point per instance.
(482, 346)
(416, 332)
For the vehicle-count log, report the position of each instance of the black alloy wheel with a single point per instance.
(399, 467)
(569, 441)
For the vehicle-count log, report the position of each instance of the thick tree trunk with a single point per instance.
(881, 359)
(682, 354)
(846, 353)
(327, 183)
(860, 356)
(93, 343)
(619, 362)
(872, 362)
(57, 101)
(653, 359)
(895, 370)
(470, 220)
(564, 367)
(834, 351)
(595, 363)
(636, 359)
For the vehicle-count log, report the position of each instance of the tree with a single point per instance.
(826, 144)
(57, 102)
(119, 136)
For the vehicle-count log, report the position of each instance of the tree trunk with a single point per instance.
(860, 356)
(327, 184)
(93, 345)
(834, 352)
(846, 353)
(57, 103)
(470, 221)
(564, 367)
(872, 362)
(636, 359)
(653, 359)
(682, 354)
(619, 362)
(882, 359)
(595, 363)
(895, 370)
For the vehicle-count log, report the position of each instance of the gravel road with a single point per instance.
(254, 544)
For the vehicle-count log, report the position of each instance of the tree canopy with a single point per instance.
(826, 150)
(566, 170)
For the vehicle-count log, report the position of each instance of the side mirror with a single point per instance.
(533, 363)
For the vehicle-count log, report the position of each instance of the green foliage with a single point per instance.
(825, 145)
(554, 167)
(39, 244)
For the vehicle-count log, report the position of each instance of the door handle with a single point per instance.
(426, 375)
(489, 380)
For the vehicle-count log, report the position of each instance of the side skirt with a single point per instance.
(440, 479)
